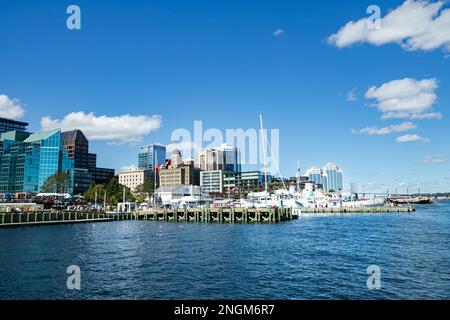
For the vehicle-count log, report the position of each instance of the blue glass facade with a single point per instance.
(151, 155)
(28, 160)
(334, 178)
(232, 159)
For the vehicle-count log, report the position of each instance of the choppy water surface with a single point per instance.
(310, 258)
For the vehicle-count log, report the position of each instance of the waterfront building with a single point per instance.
(243, 183)
(7, 125)
(27, 160)
(86, 170)
(150, 156)
(212, 182)
(167, 194)
(134, 177)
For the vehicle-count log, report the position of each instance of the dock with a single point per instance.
(199, 215)
(220, 215)
(57, 217)
(377, 209)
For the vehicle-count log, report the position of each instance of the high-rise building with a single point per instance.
(232, 158)
(210, 160)
(330, 177)
(225, 157)
(27, 161)
(7, 125)
(151, 155)
(315, 175)
(333, 178)
(86, 170)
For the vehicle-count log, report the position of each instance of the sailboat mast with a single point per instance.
(264, 152)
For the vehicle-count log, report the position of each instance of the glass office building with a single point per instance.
(334, 178)
(86, 170)
(151, 155)
(232, 158)
(28, 160)
(7, 125)
(315, 175)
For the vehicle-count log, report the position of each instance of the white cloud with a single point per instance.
(434, 160)
(10, 108)
(406, 98)
(415, 25)
(402, 127)
(116, 129)
(278, 33)
(352, 95)
(412, 138)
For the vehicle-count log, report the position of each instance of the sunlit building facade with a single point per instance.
(27, 161)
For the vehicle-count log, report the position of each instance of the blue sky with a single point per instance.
(220, 62)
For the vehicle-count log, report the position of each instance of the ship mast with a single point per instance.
(264, 152)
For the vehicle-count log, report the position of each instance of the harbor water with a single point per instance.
(314, 257)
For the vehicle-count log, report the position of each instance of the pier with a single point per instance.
(222, 215)
(203, 215)
(377, 209)
(58, 217)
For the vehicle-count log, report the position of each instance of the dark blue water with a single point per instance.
(311, 258)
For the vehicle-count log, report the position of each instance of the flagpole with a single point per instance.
(155, 164)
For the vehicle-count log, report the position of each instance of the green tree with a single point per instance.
(114, 193)
(57, 183)
(143, 191)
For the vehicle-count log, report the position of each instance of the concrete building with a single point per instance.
(210, 160)
(185, 175)
(150, 156)
(224, 157)
(7, 125)
(212, 182)
(134, 177)
(178, 173)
